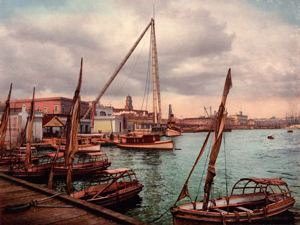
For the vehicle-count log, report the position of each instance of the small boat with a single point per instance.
(251, 199)
(270, 137)
(83, 163)
(115, 186)
(290, 131)
(145, 142)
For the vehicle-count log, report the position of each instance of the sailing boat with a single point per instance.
(113, 187)
(28, 168)
(251, 199)
(150, 141)
(75, 162)
(6, 156)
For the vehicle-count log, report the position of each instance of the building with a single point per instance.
(106, 122)
(52, 105)
(239, 120)
(17, 123)
(128, 103)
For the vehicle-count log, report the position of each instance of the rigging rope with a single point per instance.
(147, 85)
(225, 164)
(202, 175)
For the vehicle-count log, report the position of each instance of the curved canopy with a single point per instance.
(267, 181)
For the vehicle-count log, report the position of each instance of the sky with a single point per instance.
(41, 43)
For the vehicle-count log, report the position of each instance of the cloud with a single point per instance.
(197, 42)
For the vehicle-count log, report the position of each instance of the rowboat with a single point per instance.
(114, 186)
(251, 199)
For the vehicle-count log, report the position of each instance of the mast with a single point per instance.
(71, 131)
(220, 123)
(113, 76)
(4, 119)
(155, 77)
(29, 132)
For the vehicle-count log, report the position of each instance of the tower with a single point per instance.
(128, 103)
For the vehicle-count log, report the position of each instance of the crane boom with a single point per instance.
(113, 76)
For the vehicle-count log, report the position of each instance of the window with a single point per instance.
(45, 109)
(62, 108)
(55, 108)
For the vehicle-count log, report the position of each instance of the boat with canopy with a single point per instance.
(251, 199)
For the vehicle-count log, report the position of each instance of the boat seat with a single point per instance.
(244, 209)
(220, 211)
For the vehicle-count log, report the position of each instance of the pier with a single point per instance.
(49, 207)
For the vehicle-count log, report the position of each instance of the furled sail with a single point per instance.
(4, 119)
(71, 131)
(29, 132)
(220, 124)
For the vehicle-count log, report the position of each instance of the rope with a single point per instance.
(159, 217)
(225, 164)
(203, 171)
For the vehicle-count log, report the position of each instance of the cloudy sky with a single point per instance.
(41, 43)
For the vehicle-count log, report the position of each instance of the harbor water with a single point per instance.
(248, 153)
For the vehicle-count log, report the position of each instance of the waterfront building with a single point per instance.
(106, 122)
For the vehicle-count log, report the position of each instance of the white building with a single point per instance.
(106, 122)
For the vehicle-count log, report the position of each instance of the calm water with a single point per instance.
(248, 153)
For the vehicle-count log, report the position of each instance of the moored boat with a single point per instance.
(172, 132)
(251, 199)
(114, 186)
(145, 142)
(83, 164)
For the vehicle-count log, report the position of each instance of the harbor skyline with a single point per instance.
(197, 42)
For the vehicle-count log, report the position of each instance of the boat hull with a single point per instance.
(172, 133)
(119, 196)
(187, 215)
(157, 145)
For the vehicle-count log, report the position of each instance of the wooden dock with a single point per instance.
(59, 209)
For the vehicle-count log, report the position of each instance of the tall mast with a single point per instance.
(4, 119)
(29, 132)
(220, 123)
(155, 77)
(72, 129)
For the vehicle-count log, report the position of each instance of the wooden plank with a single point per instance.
(220, 210)
(86, 219)
(36, 215)
(244, 209)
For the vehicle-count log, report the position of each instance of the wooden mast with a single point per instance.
(71, 131)
(155, 77)
(29, 132)
(4, 120)
(220, 123)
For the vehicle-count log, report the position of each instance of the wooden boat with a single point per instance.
(145, 142)
(25, 165)
(172, 132)
(270, 137)
(115, 186)
(83, 164)
(251, 199)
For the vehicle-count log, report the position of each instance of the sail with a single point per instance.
(220, 124)
(29, 132)
(4, 119)
(71, 131)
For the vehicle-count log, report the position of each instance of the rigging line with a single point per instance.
(131, 68)
(202, 175)
(225, 164)
(147, 85)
